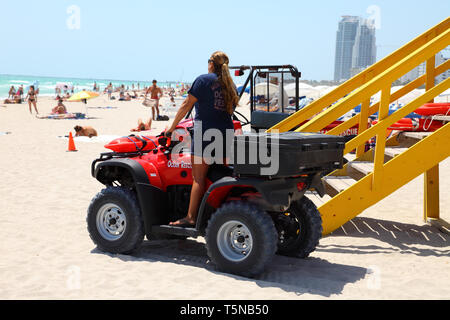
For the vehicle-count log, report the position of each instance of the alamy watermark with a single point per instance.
(213, 146)
(73, 21)
(374, 17)
(373, 278)
(73, 281)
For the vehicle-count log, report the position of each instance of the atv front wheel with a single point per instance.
(299, 229)
(114, 221)
(241, 239)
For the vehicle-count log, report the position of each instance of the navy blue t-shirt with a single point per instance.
(210, 108)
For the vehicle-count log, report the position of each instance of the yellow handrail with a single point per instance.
(382, 126)
(363, 77)
(383, 80)
(394, 97)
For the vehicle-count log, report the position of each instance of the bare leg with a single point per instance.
(149, 123)
(199, 172)
(29, 104)
(35, 107)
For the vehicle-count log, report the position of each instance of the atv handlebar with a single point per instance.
(164, 139)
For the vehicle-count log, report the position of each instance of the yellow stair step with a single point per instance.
(392, 152)
(316, 199)
(336, 184)
(359, 169)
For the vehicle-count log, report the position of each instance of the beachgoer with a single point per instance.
(12, 92)
(60, 108)
(123, 97)
(32, 99)
(143, 126)
(85, 131)
(109, 89)
(14, 100)
(215, 98)
(155, 94)
(20, 92)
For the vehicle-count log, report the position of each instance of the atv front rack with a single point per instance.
(111, 155)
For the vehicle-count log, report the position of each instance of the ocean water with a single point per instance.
(47, 84)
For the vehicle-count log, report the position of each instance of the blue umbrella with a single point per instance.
(239, 89)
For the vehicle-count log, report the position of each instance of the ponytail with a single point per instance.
(228, 87)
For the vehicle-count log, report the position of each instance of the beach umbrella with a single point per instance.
(303, 90)
(83, 96)
(261, 89)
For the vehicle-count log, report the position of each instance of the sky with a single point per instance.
(171, 40)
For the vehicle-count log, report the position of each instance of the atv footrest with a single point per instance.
(166, 229)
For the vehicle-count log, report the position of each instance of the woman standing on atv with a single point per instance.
(215, 98)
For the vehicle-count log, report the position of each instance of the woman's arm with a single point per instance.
(185, 107)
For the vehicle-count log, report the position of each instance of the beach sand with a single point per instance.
(46, 253)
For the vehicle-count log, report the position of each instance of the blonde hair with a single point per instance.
(220, 60)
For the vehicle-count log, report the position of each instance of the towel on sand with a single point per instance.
(63, 116)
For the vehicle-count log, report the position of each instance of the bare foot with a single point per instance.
(183, 223)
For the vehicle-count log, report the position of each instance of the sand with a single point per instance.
(46, 253)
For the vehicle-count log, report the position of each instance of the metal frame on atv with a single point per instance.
(262, 120)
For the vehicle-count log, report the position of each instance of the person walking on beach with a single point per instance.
(155, 94)
(20, 92)
(109, 89)
(215, 98)
(32, 99)
(12, 92)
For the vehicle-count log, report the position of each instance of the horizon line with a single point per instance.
(88, 78)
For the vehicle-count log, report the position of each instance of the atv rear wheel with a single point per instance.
(241, 239)
(114, 221)
(299, 229)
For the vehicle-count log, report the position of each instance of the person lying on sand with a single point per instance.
(124, 98)
(13, 101)
(85, 132)
(143, 126)
(60, 108)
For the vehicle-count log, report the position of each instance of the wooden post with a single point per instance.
(363, 124)
(431, 177)
(383, 112)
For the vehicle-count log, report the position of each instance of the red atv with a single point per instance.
(246, 217)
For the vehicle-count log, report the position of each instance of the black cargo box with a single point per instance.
(255, 154)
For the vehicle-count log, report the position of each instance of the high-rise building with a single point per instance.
(355, 47)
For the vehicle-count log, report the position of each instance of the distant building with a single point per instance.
(421, 69)
(355, 47)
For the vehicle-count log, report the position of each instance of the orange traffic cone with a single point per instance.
(71, 144)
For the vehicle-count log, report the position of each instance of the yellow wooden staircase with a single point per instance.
(393, 162)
